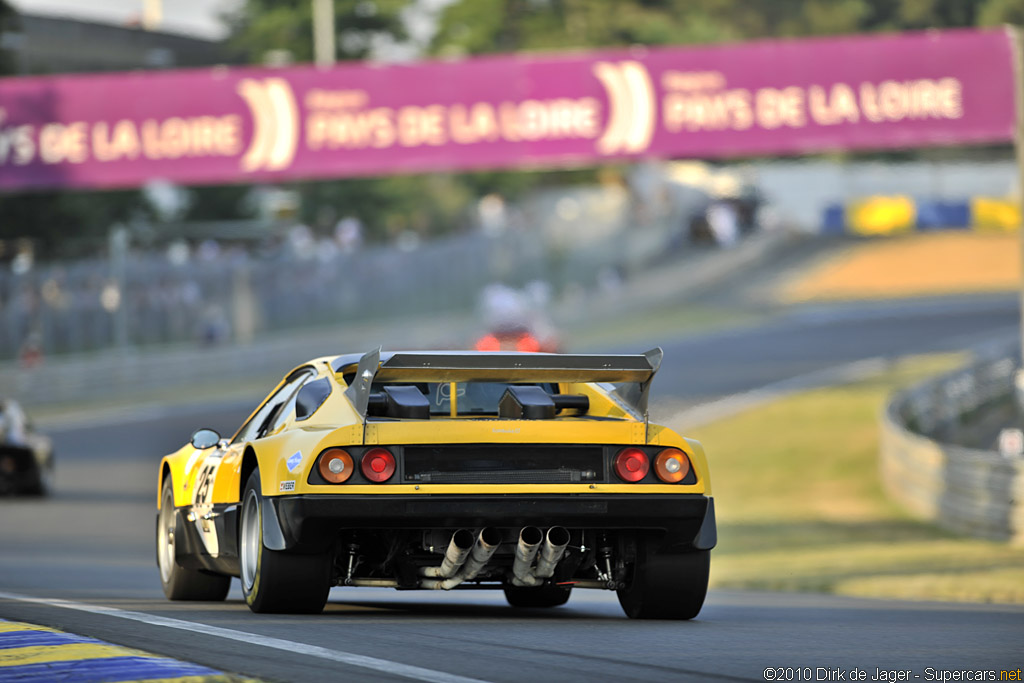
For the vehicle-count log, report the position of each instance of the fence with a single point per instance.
(973, 491)
(566, 237)
(79, 306)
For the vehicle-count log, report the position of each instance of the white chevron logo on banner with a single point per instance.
(275, 124)
(632, 107)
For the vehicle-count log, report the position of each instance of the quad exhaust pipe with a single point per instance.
(467, 555)
(530, 538)
(458, 552)
(530, 546)
(463, 560)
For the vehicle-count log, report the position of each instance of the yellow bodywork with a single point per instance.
(213, 476)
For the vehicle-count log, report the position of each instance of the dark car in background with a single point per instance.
(26, 457)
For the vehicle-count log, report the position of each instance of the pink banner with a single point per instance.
(242, 125)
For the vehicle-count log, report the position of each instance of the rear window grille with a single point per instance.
(506, 477)
(488, 464)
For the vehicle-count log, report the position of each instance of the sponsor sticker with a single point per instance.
(288, 485)
(294, 461)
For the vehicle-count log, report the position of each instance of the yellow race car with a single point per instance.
(533, 473)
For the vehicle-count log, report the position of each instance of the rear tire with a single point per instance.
(541, 596)
(666, 586)
(276, 581)
(178, 582)
(42, 484)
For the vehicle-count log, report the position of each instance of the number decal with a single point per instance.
(202, 502)
(204, 483)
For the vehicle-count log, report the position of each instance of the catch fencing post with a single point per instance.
(1017, 38)
(324, 50)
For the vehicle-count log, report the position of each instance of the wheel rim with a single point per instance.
(250, 541)
(166, 540)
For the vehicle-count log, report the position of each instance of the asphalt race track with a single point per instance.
(92, 544)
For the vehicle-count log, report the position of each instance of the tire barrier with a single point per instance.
(900, 214)
(971, 491)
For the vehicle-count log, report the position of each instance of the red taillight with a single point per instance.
(335, 465)
(631, 464)
(527, 344)
(671, 465)
(378, 465)
(488, 343)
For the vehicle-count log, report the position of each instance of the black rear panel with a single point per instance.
(489, 463)
(501, 464)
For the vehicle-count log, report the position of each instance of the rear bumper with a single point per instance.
(687, 520)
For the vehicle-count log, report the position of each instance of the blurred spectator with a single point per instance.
(493, 215)
(348, 234)
(215, 327)
(208, 251)
(301, 244)
(31, 353)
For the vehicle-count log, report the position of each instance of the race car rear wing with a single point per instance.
(446, 366)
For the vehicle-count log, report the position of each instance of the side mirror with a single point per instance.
(205, 438)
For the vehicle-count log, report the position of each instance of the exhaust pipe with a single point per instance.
(551, 553)
(458, 552)
(554, 547)
(486, 544)
(529, 543)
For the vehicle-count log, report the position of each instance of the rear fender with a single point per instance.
(286, 459)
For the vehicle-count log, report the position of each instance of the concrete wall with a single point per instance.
(970, 491)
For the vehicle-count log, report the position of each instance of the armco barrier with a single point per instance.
(970, 491)
(125, 375)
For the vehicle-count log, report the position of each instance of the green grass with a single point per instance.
(800, 504)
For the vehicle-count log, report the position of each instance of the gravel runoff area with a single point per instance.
(921, 264)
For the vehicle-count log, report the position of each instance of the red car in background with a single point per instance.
(516, 320)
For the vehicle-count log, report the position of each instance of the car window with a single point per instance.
(310, 397)
(275, 410)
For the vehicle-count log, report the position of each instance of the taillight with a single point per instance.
(527, 344)
(336, 465)
(488, 343)
(631, 464)
(671, 465)
(378, 465)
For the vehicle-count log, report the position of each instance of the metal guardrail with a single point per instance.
(142, 373)
(971, 491)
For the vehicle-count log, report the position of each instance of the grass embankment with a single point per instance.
(922, 264)
(801, 508)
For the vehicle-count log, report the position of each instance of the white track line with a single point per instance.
(361, 661)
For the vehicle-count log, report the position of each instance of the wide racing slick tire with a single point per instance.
(178, 582)
(663, 586)
(541, 596)
(277, 581)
